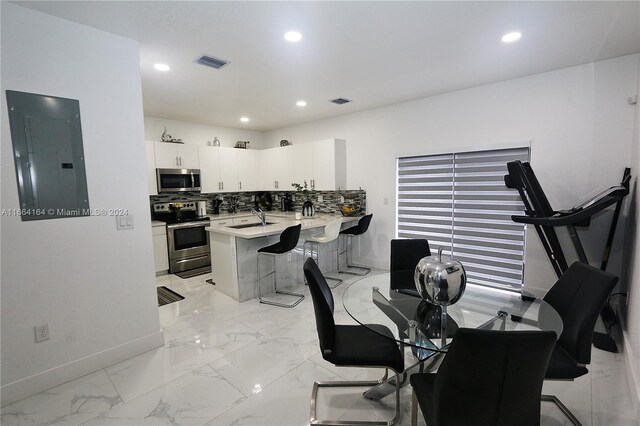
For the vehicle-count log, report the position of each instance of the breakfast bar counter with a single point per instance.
(234, 250)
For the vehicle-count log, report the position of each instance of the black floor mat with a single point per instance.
(194, 272)
(166, 296)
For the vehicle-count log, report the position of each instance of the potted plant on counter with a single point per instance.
(308, 209)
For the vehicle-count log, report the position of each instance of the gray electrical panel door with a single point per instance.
(49, 157)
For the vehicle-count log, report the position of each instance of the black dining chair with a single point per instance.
(288, 241)
(349, 233)
(405, 255)
(578, 296)
(487, 378)
(350, 345)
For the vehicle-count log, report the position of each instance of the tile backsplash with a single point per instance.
(245, 201)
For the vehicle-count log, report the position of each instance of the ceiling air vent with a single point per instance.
(340, 101)
(212, 62)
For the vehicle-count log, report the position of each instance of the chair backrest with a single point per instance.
(289, 237)
(405, 254)
(332, 229)
(491, 377)
(322, 305)
(363, 223)
(578, 296)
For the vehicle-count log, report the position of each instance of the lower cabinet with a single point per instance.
(160, 251)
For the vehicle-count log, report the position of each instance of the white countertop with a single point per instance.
(247, 214)
(282, 219)
(157, 223)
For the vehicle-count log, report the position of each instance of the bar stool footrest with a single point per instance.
(364, 270)
(300, 298)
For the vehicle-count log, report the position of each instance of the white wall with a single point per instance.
(93, 285)
(577, 118)
(630, 305)
(199, 134)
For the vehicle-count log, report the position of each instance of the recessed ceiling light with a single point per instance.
(162, 67)
(244, 119)
(301, 103)
(511, 37)
(292, 36)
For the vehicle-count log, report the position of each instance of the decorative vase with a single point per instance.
(440, 283)
(308, 209)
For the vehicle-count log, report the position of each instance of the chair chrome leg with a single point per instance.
(314, 396)
(414, 408)
(300, 297)
(337, 281)
(562, 407)
(364, 270)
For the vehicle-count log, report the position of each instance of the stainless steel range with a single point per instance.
(187, 240)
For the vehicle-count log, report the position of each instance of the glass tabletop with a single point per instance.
(390, 299)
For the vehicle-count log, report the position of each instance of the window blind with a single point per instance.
(459, 202)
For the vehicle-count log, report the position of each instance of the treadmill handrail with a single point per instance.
(565, 218)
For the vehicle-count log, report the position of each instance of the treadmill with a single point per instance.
(541, 215)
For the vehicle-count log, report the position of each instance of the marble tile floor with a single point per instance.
(229, 363)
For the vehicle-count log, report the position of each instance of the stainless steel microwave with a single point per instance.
(178, 180)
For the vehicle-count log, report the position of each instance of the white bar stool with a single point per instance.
(331, 233)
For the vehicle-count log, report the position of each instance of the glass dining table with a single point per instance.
(390, 299)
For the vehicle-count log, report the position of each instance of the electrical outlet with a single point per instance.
(42, 332)
(289, 256)
(320, 198)
(385, 201)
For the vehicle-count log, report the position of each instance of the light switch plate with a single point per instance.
(124, 222)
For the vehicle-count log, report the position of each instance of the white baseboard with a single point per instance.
(632, 372)
(23, 388)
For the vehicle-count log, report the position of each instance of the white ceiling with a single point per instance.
(375, 53)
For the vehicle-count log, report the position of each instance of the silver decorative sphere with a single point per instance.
(440, 282)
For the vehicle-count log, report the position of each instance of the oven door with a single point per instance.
(188, 245)
(178, 180)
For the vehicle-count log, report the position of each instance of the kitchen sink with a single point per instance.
(248, 225)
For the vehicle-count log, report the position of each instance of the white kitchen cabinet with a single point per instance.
(267, 169)
(219, 169)
(329, 165)
(248, 170)
(209, 169)
(229, 169)
(276, 168)
(151, 168)
(160, 252)
(172, 155)
(303, 163)
(228, 221)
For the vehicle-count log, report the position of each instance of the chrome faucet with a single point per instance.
(262, 215)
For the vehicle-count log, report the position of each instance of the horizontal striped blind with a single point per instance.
(459, 202)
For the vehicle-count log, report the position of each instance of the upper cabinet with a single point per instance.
(276, 168)
(209, 169)
(329, 161)
(247, 169)
(228, 169)
(322, 164)
(172, 155)
(303, 163)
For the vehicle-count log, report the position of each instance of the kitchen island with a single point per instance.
(234, 251)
